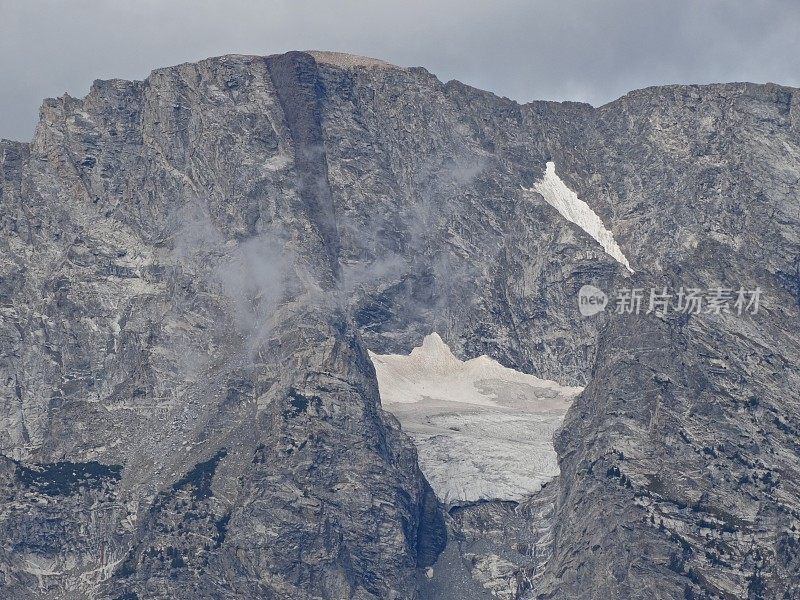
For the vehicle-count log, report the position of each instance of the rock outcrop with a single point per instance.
(192, 268)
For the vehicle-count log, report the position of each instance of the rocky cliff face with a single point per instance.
(679, 460)
(193, 267)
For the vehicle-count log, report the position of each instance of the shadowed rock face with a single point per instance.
(193, 267)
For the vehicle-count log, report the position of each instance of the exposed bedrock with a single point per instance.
(193, 266)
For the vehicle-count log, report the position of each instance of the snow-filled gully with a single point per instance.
(575, 210)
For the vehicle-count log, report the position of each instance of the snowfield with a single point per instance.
(575, 210)
(483, 431)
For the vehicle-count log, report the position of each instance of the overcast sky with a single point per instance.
(589, 50)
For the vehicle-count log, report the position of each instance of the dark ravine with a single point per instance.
(299, 91)
(193, 266)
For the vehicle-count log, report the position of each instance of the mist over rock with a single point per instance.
(192, 268)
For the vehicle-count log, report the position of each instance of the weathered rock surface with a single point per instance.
(495, 549)
(679, 461)
(192, 268)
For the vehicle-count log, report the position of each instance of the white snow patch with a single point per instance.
(575, 210)
(483, 431)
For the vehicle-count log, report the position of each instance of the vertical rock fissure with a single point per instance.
(299, 91)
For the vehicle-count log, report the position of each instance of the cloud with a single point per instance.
(252, 275)
(525, 49)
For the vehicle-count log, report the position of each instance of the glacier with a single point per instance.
(482, 431)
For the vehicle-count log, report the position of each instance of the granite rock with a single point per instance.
(192, 268)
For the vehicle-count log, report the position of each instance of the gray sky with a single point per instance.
(589, 50)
